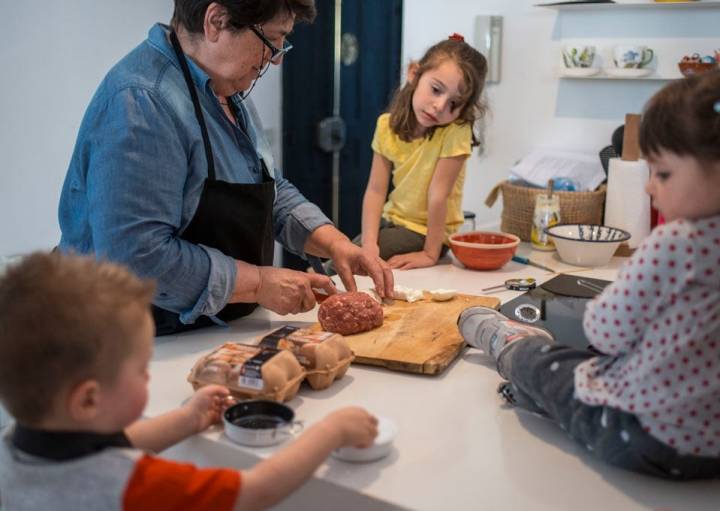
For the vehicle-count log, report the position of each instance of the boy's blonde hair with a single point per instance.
(64, 319)
(473, 66)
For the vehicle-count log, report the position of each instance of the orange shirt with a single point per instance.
(163, 485)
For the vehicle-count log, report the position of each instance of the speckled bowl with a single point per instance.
(481, 250)
(586, 244)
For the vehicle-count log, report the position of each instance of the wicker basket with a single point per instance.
(519, 203)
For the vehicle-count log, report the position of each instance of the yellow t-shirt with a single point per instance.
(413, 168)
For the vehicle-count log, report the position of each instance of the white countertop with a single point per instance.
(457, 448)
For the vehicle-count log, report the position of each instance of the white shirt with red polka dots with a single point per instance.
(659, 326)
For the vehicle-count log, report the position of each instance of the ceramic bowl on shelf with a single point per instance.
(482, 250)
(586, 244)
(691, 68)
(621, 72)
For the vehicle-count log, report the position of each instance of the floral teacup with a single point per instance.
(578, 56)
(632, 57)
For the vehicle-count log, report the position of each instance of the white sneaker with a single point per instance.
(490, 331)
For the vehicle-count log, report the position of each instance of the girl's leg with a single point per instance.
(394, 240)
(541, 378)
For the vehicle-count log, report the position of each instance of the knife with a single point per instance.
(528, 261)
(317, 266)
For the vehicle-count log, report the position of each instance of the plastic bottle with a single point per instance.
(546, 214)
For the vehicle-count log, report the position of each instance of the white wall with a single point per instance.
(54, 55)
(531, 107)
(56, 52)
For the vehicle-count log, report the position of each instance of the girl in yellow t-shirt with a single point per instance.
(423, 142)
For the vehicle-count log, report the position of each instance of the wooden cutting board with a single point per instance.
(419, 337)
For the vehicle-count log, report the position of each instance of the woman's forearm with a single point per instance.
(321, 240)
(247, 283)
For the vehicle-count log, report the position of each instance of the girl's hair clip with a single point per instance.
(457, 37)
(717, 107)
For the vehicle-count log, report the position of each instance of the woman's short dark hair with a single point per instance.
(241, 13)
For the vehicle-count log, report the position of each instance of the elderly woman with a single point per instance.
(171, 174)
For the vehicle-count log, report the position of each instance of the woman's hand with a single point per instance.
(350, 259)
(206, 406)
(288, 291)
(412, 260)
(372, 248)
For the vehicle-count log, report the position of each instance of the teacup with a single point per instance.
(578, 56)
(632, 57)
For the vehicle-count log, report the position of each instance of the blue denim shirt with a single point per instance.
(138, 169)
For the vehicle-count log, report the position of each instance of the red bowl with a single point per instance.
(480, 250)
(691, 68)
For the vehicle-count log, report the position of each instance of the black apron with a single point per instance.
(234, 218)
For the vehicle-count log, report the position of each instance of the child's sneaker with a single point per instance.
(490, 331)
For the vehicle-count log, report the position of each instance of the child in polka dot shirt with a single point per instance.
(651, 401)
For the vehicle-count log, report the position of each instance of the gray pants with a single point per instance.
(393, 240)
(542, 379)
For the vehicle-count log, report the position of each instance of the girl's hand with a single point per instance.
(206, 406)
(412, 260)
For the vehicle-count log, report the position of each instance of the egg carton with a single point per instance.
(325, 356)
(250, 372)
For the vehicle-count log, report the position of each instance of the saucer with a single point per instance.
(629, 72)
(579, 72)
(381, 447)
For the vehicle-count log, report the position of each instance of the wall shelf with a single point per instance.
(614, 74)
(633, 5)
(606, 77)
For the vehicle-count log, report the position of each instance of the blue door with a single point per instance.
(328, 123)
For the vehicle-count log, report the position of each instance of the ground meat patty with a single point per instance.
(350, 313)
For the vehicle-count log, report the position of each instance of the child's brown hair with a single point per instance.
(63, 319)
(684, 118)
(473, 66)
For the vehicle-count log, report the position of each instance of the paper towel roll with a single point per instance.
(627, 204)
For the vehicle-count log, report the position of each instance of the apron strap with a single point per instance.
(240, 116)
(196, 104)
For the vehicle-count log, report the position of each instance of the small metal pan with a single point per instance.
(259, 423)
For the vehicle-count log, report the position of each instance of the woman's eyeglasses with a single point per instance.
(275, 53)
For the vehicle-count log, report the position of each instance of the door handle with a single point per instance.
(331, 134)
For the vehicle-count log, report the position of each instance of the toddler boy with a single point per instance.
(76, 338)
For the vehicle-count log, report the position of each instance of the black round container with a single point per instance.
(259, 422)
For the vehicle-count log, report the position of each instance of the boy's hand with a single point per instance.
(355, 426)
(206, 406)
